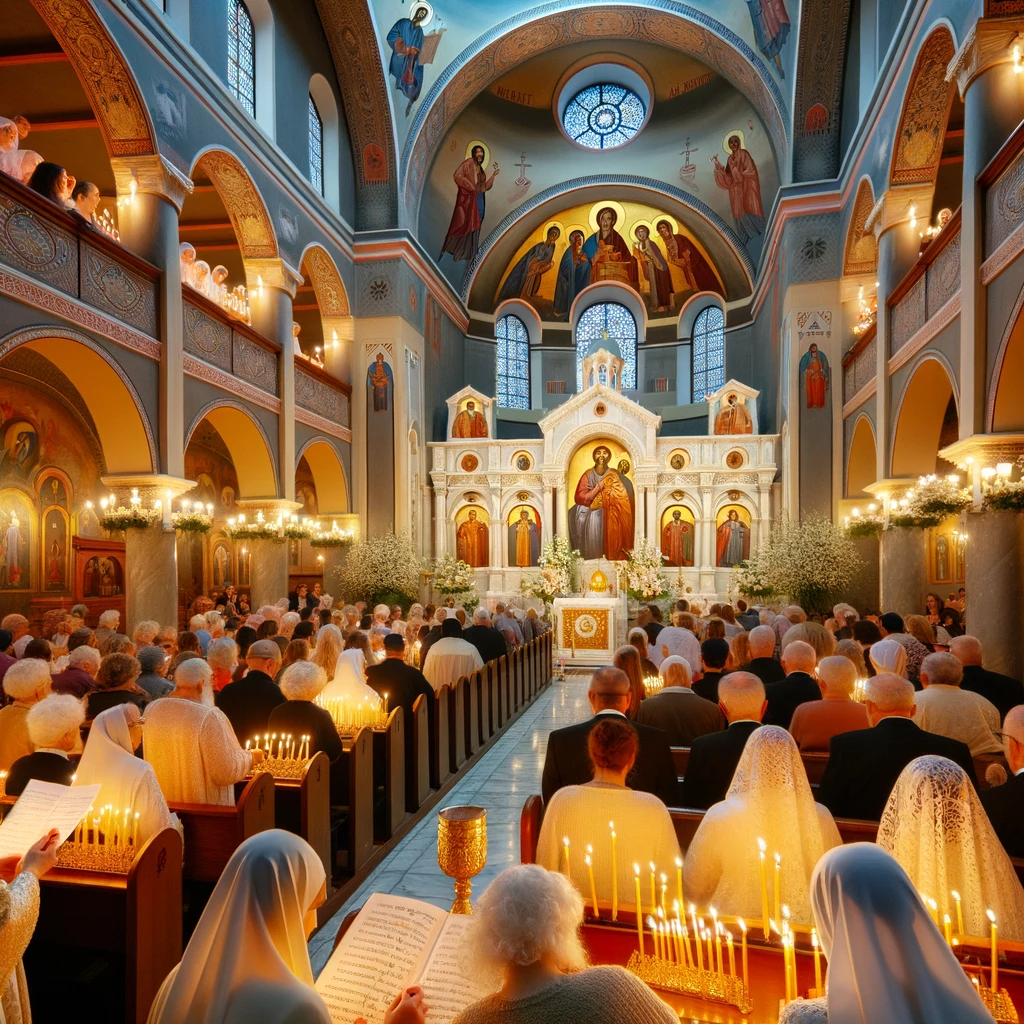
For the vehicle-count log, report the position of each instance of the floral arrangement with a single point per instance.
(381, 570)
(195, 520)
(559, 571)
(869, 524)
(937, 498)
(333, 538)
(134, 518)
(294, 530)
(258, 529)
(453, 576)
(812, 563)
(643, 572)
(1004, 496)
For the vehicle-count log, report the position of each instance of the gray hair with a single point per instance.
(145, 633)
(288, 623)
(799, 657)
(303, 680)
(197, 623)
(762, 642)
(109, 619)
(481, 615)
(675, 671)
(222, 653)
(849, 613)
(942, 669)
(53, 718)
(889, 692)
(838, 675)
(193, 674)
(85, 654)
(27, 679)
(794, 613)
(742, 693)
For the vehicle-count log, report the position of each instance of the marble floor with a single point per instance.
(501, 781)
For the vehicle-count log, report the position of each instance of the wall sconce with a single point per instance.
(913, 215)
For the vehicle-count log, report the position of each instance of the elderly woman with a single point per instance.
(526, 933)
(301, 683)
(852, 651)
(888, 656)
(115, 684)
(53, 726)
(813, 633)
(222, 657)
(25, 683)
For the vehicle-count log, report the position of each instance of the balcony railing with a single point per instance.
(318, 392)
(860, 364)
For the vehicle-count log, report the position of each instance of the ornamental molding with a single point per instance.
(227, 382)
(988, 42)
(893, 207)
(276, 273)
(152, 175)
(311, 419)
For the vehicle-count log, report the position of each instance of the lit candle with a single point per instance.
(565, 850)
(679, 881)
(135, 831)
(785, 963)
(687, 948)
(732, 954)
(664, 887)
(615, 876)
(995, 952)
(593, 888)
(743, 931)
(697, 938)
(778, 883)
(959, 913)
(654, 888)
(711, 952)
(762, 846)
(947, 929)
(718, 940)
(817, 962)
(677, 933)
(933, 909)
(639, 909)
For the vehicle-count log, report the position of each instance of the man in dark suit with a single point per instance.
(762, 656)
(863, 765)
(1001, 690)
(745, 617)
(248, 702)
(714, 654)
(1004, 804)
(655, 626)
(433, 636)
(402, 684)
(484, 637)
(799, 686)
(713, 758)
(568, 764)
(676, 710)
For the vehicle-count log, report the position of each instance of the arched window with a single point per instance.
(708, 353)
(316, 148)
(513, 363)
(608, 321)
(242, 56)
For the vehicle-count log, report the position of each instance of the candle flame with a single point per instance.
(762, 846)
(991, 916)
(743, 927)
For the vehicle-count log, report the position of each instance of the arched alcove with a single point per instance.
(861, 463)
(244, 443)
(329, 476)
(924, 409)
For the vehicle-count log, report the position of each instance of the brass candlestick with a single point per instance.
(462, 849)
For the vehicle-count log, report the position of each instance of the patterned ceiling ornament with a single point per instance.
(861, 254)
(331, 296)
(244, 204)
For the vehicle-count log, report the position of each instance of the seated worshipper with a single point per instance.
(152, 680)
(115, 684)
(813, 633)
(197, 624)
(851, 650)
(638, 638)
(25, 683)
(434, 633)
(762, 661)
(540, 627)
(247, 960)
(288, 623)
(892, 627)
(451, 657)
(40, 649)
(305, 630)
(739, 651)
(889, 656)
(770, 799)
(792, 615)
(53, 726)
(482, 635)
(566, 762)
(222, 657)
(297, 650)
(887, 959)
(627, 658)
(715, 629)
(377, 634)
(327, 650)
(713, 757)
(190, 743)
(582, 813)
(676, 710)
(1003, 804)
(1002, 691)
(714, 654)
(349, 682)
(784, 697)
(815, 722)
(509, 622)
(944, 708)
(526, 935)
(655, 626)
(188, 641)
(952, 622)
(863, 766)
(935, 826)
(125, 780)
(145, 633)
(677, 639)
(402, 684)
(79, 678)
(248, 702)
(299, 716)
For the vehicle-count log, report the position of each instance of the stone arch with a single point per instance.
(101, 68)
(922, 126)
(919, 415)
(243, 201)
(594, 431)
(247, 443)
(610, 291)
(1005, 410)
(693, 307)
(860, 255)
(328, 474)
(861, 460)
(331, 293)
(122, 426)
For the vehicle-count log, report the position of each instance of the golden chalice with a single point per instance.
(462, 849)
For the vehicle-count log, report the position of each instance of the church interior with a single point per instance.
(337, 333)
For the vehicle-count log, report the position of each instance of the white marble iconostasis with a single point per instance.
(702, 476)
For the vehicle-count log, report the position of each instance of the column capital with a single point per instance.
(153, 175)
(274, 272)
(272, 508)
(894, 207)
(990, 41)
(151, 487)
(984, 450)
(892, 487)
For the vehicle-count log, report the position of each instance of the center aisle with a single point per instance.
(501, 781)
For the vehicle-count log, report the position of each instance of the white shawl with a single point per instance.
(349, 680)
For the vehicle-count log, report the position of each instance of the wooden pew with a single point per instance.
(303, 806)
(352, 775)
(212, 834)
(417, 769)
(439, 764)
(457, 725)
(502, 703)
(471, 710)
(484, 699)
(389, 777)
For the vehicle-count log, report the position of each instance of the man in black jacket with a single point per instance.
(484, 637)
(402, 684)
(762, 656)
(863, 765)
(714, 653)
(1000, 690)
(568, 764)
(248, 702)
(1004, 804)
(713, 758)
(799, 686)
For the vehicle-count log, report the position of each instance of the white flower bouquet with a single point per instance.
(453, 576)
(643, 572)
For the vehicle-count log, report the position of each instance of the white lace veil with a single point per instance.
(889, 656)
(935, 826)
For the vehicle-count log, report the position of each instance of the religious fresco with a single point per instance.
(470, 421)
(628, 243)
(473, 178)
(677, 531)
(739, 178)
(771, 28)
(602, 516)
(208, 462)
(412, 50)
(732, 536)
(380, 383)
(523, 536)
(55, 548)
(733, 417)
(814, 375)
(16, 537)
(103, 576)
(472, 536)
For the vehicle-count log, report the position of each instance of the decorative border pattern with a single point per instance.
(242, 200)
(218, 378)
(330, 291)
(108, 284)
(1003, 256)
(313, 395)
(925, 333)
(310, 419)
(861, 253)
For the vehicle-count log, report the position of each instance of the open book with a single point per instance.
(42, 806)
(394, 943)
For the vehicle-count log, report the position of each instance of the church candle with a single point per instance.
(593, 889)
(639, 908)
(994, 932)
(817, 961)
(687, 948)
(697, 940)
(679, 881)
(135, 831)
(247, 742)
(732, 954)
(762, 846)
(654, 889)
(652, 928)
(711, 950)
(567, 870)
(947, 929)
(718, 940)
(615, 876)
(677, 941)
(959, 913)
(96, 831)
(664, 888)
(743, 931)
(778, 883)
(666, 953)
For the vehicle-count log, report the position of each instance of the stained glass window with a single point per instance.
(316, 148)
(607, 321)
(242, 56)
(513, 363)
(708, 352)
(603, 116)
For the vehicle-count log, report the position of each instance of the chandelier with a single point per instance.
(867, 311)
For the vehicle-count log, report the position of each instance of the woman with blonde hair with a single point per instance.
(348, 675)
(851, 650)
(739, 651)
(813, 633)
(627, 658)
(715, 629)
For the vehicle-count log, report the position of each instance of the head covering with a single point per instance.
(935, 826)
(889, 656)
(886, 959)
(674, 659)
(349, 679)
(251, 940)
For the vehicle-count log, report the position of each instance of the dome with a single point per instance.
(604, 343)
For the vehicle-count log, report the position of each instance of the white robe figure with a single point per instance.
(349, 682)
(247, 960)
(770, 799)
(935, 826)
(449, 658)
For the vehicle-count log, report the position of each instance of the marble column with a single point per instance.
(903, 570)
(268, 571)
(561, 512)
(995, 568)
(151, 577)
(651, 528)
(863, 592)
(547, 530)
(333, 561)
(339, 340)
(440, 521)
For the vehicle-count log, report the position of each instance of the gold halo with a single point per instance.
(620, 214)
(673, 223)
(641, 223)
(487, 151)
(729, 135)
(430, 12)
(570, 229)
(553, 224)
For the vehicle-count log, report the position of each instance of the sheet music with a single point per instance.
(447, 983)
(42, 806)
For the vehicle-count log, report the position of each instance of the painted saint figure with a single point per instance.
(733, 541)
(469, 422)
(523, 541)
(573, 275)
(523, 281)
(677, 540)
(771, 27)
(380, 379)
(601, 521)
(11, 554)
(733, 417)
(463, 237)
(654, 269)
(814, 370)
(406, 42)
(739, 178)
(682, 253)
(609, 255)
(471, 541)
